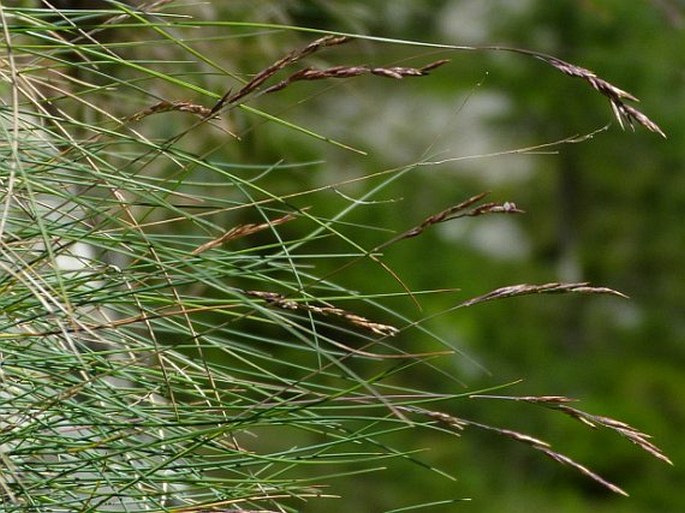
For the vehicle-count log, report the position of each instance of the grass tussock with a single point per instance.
(152, 359)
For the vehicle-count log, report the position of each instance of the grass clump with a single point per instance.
(168, 341)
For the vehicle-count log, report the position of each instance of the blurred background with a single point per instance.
(608, 210)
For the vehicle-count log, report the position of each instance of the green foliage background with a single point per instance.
(607, 210)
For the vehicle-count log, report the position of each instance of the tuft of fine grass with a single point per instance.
(168, 340)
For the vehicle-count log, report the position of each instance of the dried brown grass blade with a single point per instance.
(271, 70)
(170, 106)
(242, 231)
(565, 460)
(627, 431)
(624, 113)
(561, 403)
(441, 417)
(460, 424)
(280, 301)
(464, 209)
(354, 71)
(547, 288)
